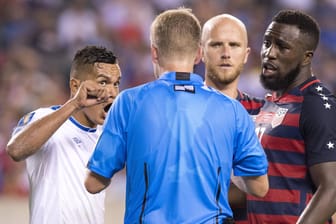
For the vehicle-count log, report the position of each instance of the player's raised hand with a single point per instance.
(91, 93)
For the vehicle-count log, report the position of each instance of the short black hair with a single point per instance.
(93, 54)
(86, 57)
(306, 23)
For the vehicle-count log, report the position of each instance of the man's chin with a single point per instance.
(269, 83)
(100, 122)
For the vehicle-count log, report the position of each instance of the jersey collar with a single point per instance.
(79, 125)
(182, 76)
(296, 91)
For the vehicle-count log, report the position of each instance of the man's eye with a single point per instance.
(103, 83)
(283, 47)
(117, 84)
(216, 45)
(267, 43)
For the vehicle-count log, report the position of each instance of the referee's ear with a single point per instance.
(155, 55)
(198, 55)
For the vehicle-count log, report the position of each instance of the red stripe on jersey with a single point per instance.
(286, 170)
(276, 195)
(291, 120)
(308, 197)
(291, 99)
(241, 222)
(282, 144)
(251, 105)
(287, 98)
(309, 83)
(265, 219)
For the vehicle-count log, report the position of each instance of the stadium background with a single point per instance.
(38, 39)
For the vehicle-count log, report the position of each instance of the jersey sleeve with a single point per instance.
(318, 126)
(30, 117)
(251, 104)
(110, 151)
(249, 157)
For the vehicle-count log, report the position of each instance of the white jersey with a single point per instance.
(57, 173)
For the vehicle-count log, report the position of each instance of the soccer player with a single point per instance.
(56, 142)
(225, 51)
(178, 138)
(296, 126)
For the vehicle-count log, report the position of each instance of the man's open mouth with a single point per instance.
(107, 107)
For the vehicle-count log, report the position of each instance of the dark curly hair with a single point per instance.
(85, 58)
(303, 21)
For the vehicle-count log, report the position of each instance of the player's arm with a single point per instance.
(254, 185)
(250, 162)
(318, 124)
(237, 197)
(333, 218)
(31, 138)
(95, 183)
(323, 204)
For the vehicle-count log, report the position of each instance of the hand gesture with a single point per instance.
(91, 93)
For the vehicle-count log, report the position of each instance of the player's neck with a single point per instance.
(230, 89)
(231, 92)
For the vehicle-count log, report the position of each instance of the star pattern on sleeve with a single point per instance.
(327, 106)
(331, 145)
(324, 98)
(319, 88)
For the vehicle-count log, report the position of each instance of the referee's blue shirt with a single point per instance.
(179, 140)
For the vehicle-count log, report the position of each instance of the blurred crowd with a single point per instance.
(38, 39)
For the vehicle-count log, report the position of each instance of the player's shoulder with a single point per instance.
(212, 91)
(32, 116)
(135, 90)
(42, 111)
(235, 104)
(36, 114)
(243, 96)
(318, 93)
(318, 101)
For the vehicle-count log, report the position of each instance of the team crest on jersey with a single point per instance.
(278, 116)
